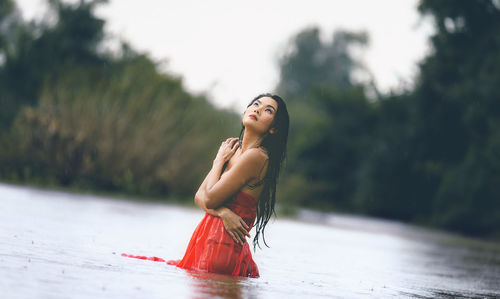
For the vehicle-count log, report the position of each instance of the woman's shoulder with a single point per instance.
(264, 150)
(256, 154)
(259, 158)
(253, 159)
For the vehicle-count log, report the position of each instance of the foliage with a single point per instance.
(309, 62)
(458, 114)
(133, 130)
(428, 155)
(35, 50)
(100, 120)
(330, 114)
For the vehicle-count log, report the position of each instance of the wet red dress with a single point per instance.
(211, 249)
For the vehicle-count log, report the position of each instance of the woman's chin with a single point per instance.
(251, 126)
(249, 123)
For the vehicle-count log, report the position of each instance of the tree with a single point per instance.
(85, 117)
(331, 118)
(310, 62)
(458, 114)
(32, 51)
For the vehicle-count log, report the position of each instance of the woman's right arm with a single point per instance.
(219, 165)
(234, 224)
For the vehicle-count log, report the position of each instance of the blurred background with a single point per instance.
(394, 107)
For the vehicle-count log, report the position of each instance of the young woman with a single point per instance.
(239, 190)
(240, 187)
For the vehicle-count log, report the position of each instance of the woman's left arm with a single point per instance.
(235, 226)
(220, 188)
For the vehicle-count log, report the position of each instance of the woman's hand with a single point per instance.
(227, 149)
(234, 225)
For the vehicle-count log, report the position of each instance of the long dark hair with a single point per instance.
(276, 147)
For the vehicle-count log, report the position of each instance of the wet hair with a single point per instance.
(276, 146)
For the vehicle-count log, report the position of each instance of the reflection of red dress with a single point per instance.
(211, 249)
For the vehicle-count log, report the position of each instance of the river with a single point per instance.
(62, 245)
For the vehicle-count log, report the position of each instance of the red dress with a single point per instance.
(211, 249)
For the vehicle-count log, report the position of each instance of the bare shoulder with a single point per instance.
(253, 159)
(255, 155)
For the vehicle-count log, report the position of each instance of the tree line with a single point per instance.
(427, 154)
(76, 115)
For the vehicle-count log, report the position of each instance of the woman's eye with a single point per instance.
(269, 110)
(255, 103)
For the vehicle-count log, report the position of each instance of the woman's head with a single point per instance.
(259, 115)
(271, 121)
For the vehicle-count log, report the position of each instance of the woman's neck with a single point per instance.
(250, 140)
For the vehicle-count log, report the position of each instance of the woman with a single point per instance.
(240, 188)
(244, 170)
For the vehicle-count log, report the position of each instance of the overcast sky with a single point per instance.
(229, 49)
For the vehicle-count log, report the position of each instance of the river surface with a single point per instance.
(62, 245)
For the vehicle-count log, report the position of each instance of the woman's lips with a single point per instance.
(253, 116)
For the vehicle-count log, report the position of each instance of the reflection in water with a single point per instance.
(222, 286)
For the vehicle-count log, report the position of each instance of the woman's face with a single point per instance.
(260, 114)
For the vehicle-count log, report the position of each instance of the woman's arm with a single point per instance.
(213, 212)
(219, 188)
(215, 172)
(235, 226)
(226, 151)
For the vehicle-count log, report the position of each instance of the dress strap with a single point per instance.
(260, 182)
(256, 184)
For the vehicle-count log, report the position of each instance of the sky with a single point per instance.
(229, 50)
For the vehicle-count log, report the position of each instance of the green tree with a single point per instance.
(458, 114)
(309, 62)
(85, 117)
(331, 118)
(32, 51)
(131, 129)
(389, 184)
(11, 29)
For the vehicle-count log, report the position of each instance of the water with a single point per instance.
(60, 245)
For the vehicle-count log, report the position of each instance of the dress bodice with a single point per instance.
(245, 206)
